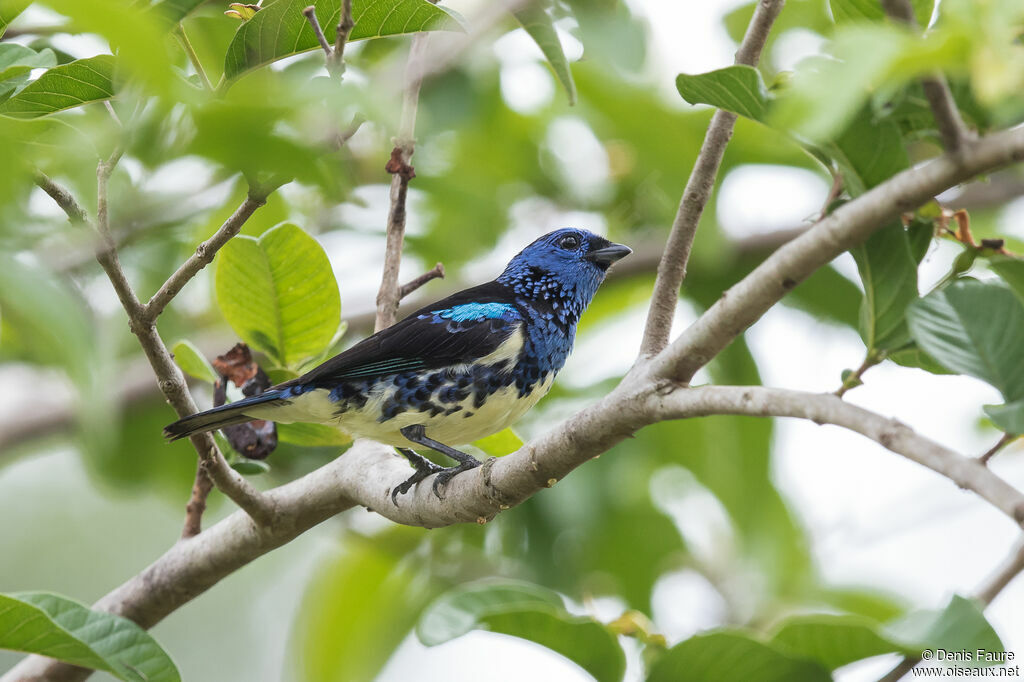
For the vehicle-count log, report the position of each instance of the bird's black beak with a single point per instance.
(607, 255)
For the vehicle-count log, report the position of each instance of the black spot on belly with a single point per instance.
(390, 410)
(453, 410)
(468, 414)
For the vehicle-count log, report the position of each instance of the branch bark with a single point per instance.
(389, 294)
(844, 228)
(672, 269)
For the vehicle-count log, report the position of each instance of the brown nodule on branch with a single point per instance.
(397, 165)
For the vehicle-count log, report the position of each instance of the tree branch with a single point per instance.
(436, 272)
(951, 126)
(844, 228)
(672, 269)
(389, 294)
(169, 377)
(205, 253)
(335, 61)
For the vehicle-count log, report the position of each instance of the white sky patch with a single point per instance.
(757, 199)
(795, 45)
(526, 87)
(582, 161)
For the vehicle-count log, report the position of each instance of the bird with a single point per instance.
(451, 372)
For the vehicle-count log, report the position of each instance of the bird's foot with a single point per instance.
(448, 474)
(424, 469)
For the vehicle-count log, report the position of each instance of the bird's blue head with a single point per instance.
(564, 267)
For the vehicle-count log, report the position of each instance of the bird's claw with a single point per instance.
(448, 474)
(424, 470)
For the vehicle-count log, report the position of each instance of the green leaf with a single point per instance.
(729, 655)
(16, 60)
(9, 9)
(869, 10)
(738, 89)
(499, 444)
(191, 361)
(173, 11)
(527, 611)
(280, 30)
(312, 435)
(959, 626)
(537, 21)
(250, 467)
(358, 607)
(868, 151)
(63, 87)
(889, 273)
(835, 640)
(55, 626)
(279, 293)
(974, 328)
(1009, 417)
(1011, 271)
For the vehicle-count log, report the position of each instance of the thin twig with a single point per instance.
(336, 60)
(169, 377)
(203, 255)
(196, 506)
(310, 14)
(389, 294)
(672, 269)
(186, 44)
(437, 272)
(991, 452)
(853, 380)
(947, 117)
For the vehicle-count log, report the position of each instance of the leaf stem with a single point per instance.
(186, 44)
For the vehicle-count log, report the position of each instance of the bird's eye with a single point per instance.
(570, 242)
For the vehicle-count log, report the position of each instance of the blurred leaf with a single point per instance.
(1011, 271)
(729, 655)
(536, 20)
(738, 89)
(278, 293)
(958, 627)
(889, 273)
(358, 607)
(912, 356)
(313, 435)
(527, 611)
(191, 361)
(70, 85)
(16, 60)
(51, 625)
(974, 328)
(9, 9)
(869, 10)
(499, 444)
(869, 152)
(280, 30)
(173, 11)
(250, 467)
(835, 640)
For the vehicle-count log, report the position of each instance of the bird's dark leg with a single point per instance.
(424, 468)
(417, 434)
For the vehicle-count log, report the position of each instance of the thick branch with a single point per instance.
(951, 126)
(389, 294)
(672, 269)
(841, 230)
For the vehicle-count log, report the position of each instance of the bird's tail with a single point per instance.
(219, 417)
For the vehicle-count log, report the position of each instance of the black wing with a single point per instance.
(424, 340)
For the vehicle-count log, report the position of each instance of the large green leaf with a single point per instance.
(358, 607)
(279, 293)
(63, 87)
(889, 273)
(173, 11)
(280, 30)
(55, 626)
(1011, 271)
(537, 21)
(16, 60)
(527, 611)
(726, 655)
(960, 626)
(9, 9)
(974, 328)
(738, 89)
(835, 640)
